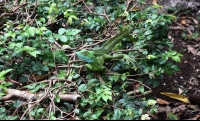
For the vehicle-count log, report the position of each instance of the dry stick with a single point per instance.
(45, 112)
(34, 8)
(133, 7)
(31, 108)
(140, 83)
(16, 110)
(92, 13)
(98, 14)
(23, 4)
(55, 65)
(31, 23)
(86, 6)
(68, 71)
(21, 105)
(92, 44)
(128, 4)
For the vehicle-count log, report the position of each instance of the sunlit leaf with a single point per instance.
(176, 96)
(171, 116)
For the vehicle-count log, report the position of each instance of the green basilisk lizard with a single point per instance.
(96, 58)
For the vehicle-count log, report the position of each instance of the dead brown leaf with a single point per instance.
(180, 91)
(162, 109)
(180, 109)
(183, 22)
(154, 2)
(194, 81)
(191, 48)
(189, 35)
(194, 20)
(161, 101)
(198, 53)
(38, 77)
(196, 117)
(137, 85)
(176, 96)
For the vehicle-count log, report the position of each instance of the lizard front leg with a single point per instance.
(95, 67)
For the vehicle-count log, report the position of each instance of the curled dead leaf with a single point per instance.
(154, 2)
(191, 48)
(180, 91)
(38, 77)
(183, 22)
(137, 85)
(189, 35)
(176, 96)
(161, 101)
(194, 20)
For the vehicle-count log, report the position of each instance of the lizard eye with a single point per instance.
(85, 53)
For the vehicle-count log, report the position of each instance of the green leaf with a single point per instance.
(141, 88)
(172, 53)
(176, 58)
(168, 70)
(34, 53)
(140, 111)
(155, 83)
(99, 112)
(152, 110)
(88, 113)
(171, 116)
(5, 72)
(61, 31)
(55, 9)
(175, 67)
(43, 28)
(123, 77)
(82, 87)
(76, 110)
(8, 84)
(107, 92)
(148, 32)
(44, 68)
(50, 9)
(37, 88)
(92, 81)
(116, 115)
(105, 98)
(70, 20)
(94, 116)
(48, 33)
(99, 90)
(57, 98)
(154, 16)
(43, 20)
(31, 86)
(73, 31)
(63, 38)
(124, 84)
(17, 104)
(51, 39)
(73, 16)
(76, 76)
(40, 110)
(13, 118)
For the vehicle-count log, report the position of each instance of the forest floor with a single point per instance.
(185, 34)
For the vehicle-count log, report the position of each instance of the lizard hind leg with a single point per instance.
(132, 61)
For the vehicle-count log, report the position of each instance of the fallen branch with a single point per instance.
(13, 93)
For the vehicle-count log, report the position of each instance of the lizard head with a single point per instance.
(86, 55)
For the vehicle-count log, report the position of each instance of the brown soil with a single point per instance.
(188, 79)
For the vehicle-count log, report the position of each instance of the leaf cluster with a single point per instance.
(46, 40)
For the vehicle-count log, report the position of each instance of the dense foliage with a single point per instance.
(41, 41)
